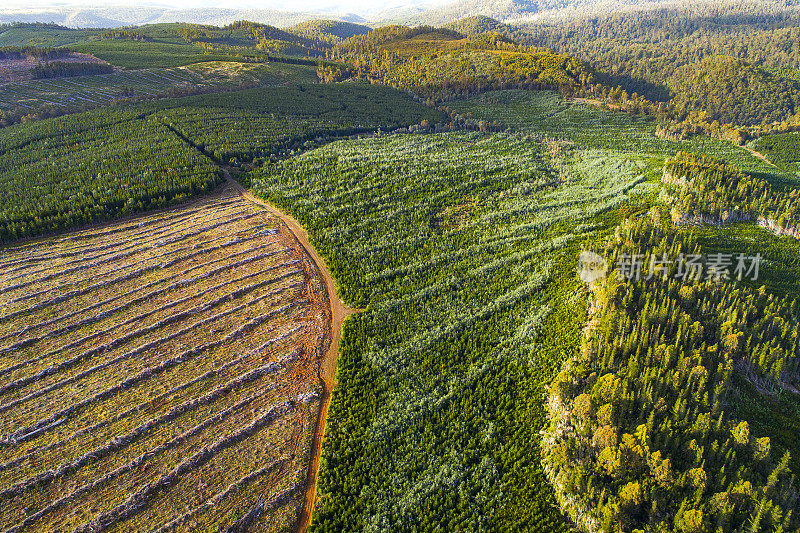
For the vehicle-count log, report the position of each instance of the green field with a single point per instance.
(58, 173)
(461, 249)
(548, 114)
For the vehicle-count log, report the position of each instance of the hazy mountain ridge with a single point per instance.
(115, 17)
(410, 13)
(522, 11)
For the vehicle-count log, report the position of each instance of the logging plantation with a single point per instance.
(416, 270)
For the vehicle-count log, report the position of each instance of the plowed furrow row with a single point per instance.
(151, 233)
(93, 429)
(141, 498)
(144, 287)
(62, 415)
(124, 440)
(65, 329)
(231, 489)
(66, 365)
(136, 463)
(78, 292)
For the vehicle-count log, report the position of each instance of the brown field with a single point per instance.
(160, 373)
(16, 70)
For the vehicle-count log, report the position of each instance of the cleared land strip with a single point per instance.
(161, 373)
(326, 373)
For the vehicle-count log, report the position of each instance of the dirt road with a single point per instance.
(759, 155)
(327, 371)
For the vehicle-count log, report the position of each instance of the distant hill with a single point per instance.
(479, 24)
(733, 91)
(113, 17)
(409, 12)
(443, 64)
(499, 9)
(524, 11)
(239, 33)
(329, 31)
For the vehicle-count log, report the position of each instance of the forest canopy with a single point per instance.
(443, 64)
(730, 90)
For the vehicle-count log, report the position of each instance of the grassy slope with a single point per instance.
(269, 74)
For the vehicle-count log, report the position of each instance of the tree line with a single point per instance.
(63, 69)
(43, 53)
(639, 436)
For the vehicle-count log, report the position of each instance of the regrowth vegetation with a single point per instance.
(455, 246)
(58, 173)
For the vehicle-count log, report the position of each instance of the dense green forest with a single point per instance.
(481, 24)
(58, 173)
(328, 32)
(672, 52)
(639, 436)
(61, 69)
(22, 52)
(732, 91)
(685, 83)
